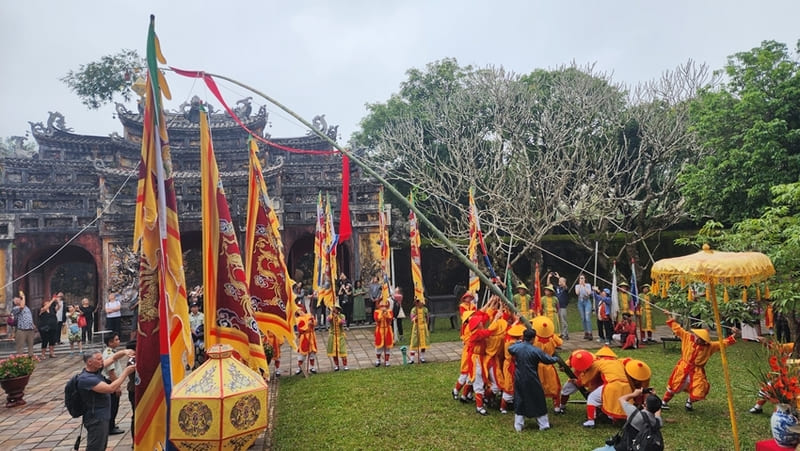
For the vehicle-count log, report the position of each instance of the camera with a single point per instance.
(132, 361)
(647, 391)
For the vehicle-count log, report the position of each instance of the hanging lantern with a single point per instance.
(221, 405)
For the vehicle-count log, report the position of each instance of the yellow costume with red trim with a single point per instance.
(523, 304)
(551, 384)
(494, 349)
(307, 338)
(645, 313)
(272, 339)
(384, 335)
(476, 350)
(615, 384)
(694, 357)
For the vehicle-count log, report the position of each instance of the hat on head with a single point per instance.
(647, 285)
(522, 285)
(703, 334)
(606, 291)
(623, 284)
(638, 370)
(468, 296)
(549, 287)
(477, 318)
(581, 360)
(516, 330)
(465, 316)
(605, 351)
(626, 315)
(337, 306)
(194, 304)
(543, 326)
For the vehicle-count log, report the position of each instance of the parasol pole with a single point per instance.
(724, 356)
(595, 264)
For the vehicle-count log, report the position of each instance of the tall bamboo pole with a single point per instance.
(439, 234)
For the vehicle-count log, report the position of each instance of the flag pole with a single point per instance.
(357, 160)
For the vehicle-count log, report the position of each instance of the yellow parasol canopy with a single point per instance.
(710, 266)
(714, 268)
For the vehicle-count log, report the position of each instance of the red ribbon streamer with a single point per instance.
(345, 227)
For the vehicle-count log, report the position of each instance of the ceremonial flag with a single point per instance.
(472, 250)
(163, 311)
(509, 282)
(269, 284)
(537, 293)
(331, 243)
(319, 242)
(229, 316)
(614, 293)
(416, 256)
(385, 249)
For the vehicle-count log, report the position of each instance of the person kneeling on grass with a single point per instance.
(529, 400)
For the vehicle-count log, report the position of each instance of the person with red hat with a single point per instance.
(495, 347)
(476, 351)
(689, 373)
(614, 384)
(580, 361)
(529, 396)
(465, 310)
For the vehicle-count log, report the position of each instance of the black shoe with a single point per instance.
(688, 406)
(116, 431)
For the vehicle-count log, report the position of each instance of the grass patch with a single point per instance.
(410, 407)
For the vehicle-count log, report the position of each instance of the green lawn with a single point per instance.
(410, 407)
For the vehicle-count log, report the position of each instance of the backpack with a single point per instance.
(649, 437)
(73, 399)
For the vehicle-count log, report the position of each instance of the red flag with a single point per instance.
(228, 312)
(163, 311)
(537, 294)
(345, 226)
(270, 286)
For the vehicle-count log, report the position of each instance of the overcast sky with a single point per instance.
(332, 58)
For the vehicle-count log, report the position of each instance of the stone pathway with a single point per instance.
(44, 424)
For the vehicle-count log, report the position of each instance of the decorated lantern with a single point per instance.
(219, 406)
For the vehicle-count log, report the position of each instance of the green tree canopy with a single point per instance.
(97, 83)
(750, 128)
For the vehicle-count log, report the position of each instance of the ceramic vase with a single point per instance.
(782, 419)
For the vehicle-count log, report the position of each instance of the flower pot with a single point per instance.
(782, 419)
(15, 390)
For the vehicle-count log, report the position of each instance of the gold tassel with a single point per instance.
(725, 296)
(758, 293)
(766, 292)
(690, 295)
(744, 294)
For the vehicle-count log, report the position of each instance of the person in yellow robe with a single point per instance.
(384, 335)
(306, 340)
(466, 308)
(337, 340)
(625, 298)
(550, 306)
(548, 341)
(419, 330)
(276, 343)
(689, 373)
(522, 300)
(513, 335)
(614, 385)
(645, 315)
(495, 347)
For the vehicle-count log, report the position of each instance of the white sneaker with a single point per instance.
(345, 368)
(387, 364)
(377, 363)
(588, 424)
(277, 373)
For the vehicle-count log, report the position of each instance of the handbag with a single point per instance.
(11, 321)
(81, 321)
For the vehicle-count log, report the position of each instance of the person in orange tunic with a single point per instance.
(689, 373)
(513, 335)
(465, 309)
(614, 385)
(476, 350)
(307, 340)
(273, 340)
(494, 347)
(580, 361)
(548, 341)
(384, 335)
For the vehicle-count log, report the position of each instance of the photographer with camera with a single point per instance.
(642, 424)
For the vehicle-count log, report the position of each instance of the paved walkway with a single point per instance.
(44, 424)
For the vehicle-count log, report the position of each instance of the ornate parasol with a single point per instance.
(714, 268)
